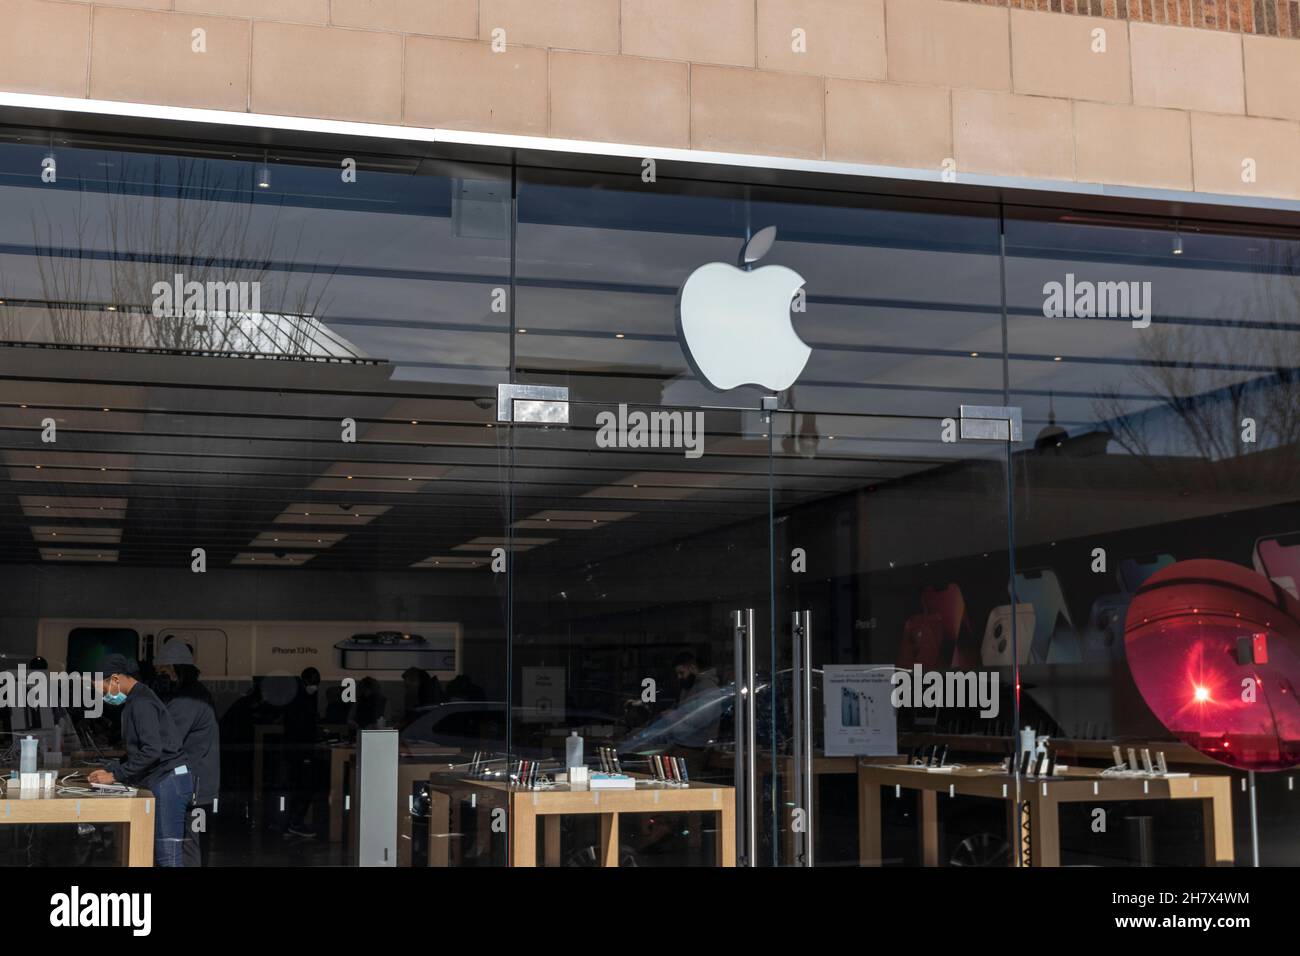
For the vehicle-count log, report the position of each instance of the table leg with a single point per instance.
(1217, 815)
(1016, 842)
(484, 805)
(523, 834)
(456, 827)
(870, 842)
(258, 774)
(726, 841)
(336, 795)
(1044, 827)
(551, 839)
(352, 822)
(439, 828)
(929, 803)
(139, 833)
(609, 839)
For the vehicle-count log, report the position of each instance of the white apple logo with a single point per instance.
(735, 325)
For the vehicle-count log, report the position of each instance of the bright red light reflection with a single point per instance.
(1214, 649)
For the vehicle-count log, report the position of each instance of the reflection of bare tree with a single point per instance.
(1205, 380)
(97, 266)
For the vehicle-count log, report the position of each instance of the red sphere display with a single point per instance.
(1214, 649)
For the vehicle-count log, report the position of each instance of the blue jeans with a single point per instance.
(172, 795)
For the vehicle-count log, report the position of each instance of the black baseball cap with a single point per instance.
(118, 664)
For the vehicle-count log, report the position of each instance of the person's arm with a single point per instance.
(146, 753)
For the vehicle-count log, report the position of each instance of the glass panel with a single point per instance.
(605, 266)
(629, 563)
(893, 542)
(247, 429)
(1157, 365)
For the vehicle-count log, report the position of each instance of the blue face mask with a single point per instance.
(117, 700)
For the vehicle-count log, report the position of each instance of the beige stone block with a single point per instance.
(620, 99)
(889, 124)
(43, 47)
(1052, 55)
(754, 111)
(462, 84)
(444, 18)
(327, 72)
(839, 38)
(1226, 147)
(948, 44)
(706, 31)
(138, 4)
(292, 11)
(1272, 77)
(1132, 146)
(1011, 135)
(556, 24)
(1187, 69)
(147, 56)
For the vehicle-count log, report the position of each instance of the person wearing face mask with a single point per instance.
(154, 759)
(177, 684)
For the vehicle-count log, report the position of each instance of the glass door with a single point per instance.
(893, 634)
(639, 540)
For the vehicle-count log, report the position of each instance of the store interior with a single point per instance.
(280, 494)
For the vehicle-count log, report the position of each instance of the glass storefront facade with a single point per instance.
(1037, 471)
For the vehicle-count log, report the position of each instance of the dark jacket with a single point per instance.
(153, 747)
(196, 723)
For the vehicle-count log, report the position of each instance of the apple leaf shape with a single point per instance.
(759, 245)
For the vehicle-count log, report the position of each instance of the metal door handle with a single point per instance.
(746, 766)
(801, 679)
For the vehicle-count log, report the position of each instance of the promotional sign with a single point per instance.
(543, 694)
(860, 721)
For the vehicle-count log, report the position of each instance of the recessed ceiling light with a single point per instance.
(523, 331)
(112, 308)
(1056, 359)
(974, 355)
(618, 335)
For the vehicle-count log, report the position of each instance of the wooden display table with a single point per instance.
(134, 813)
(525, 807)
(1043, 798)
